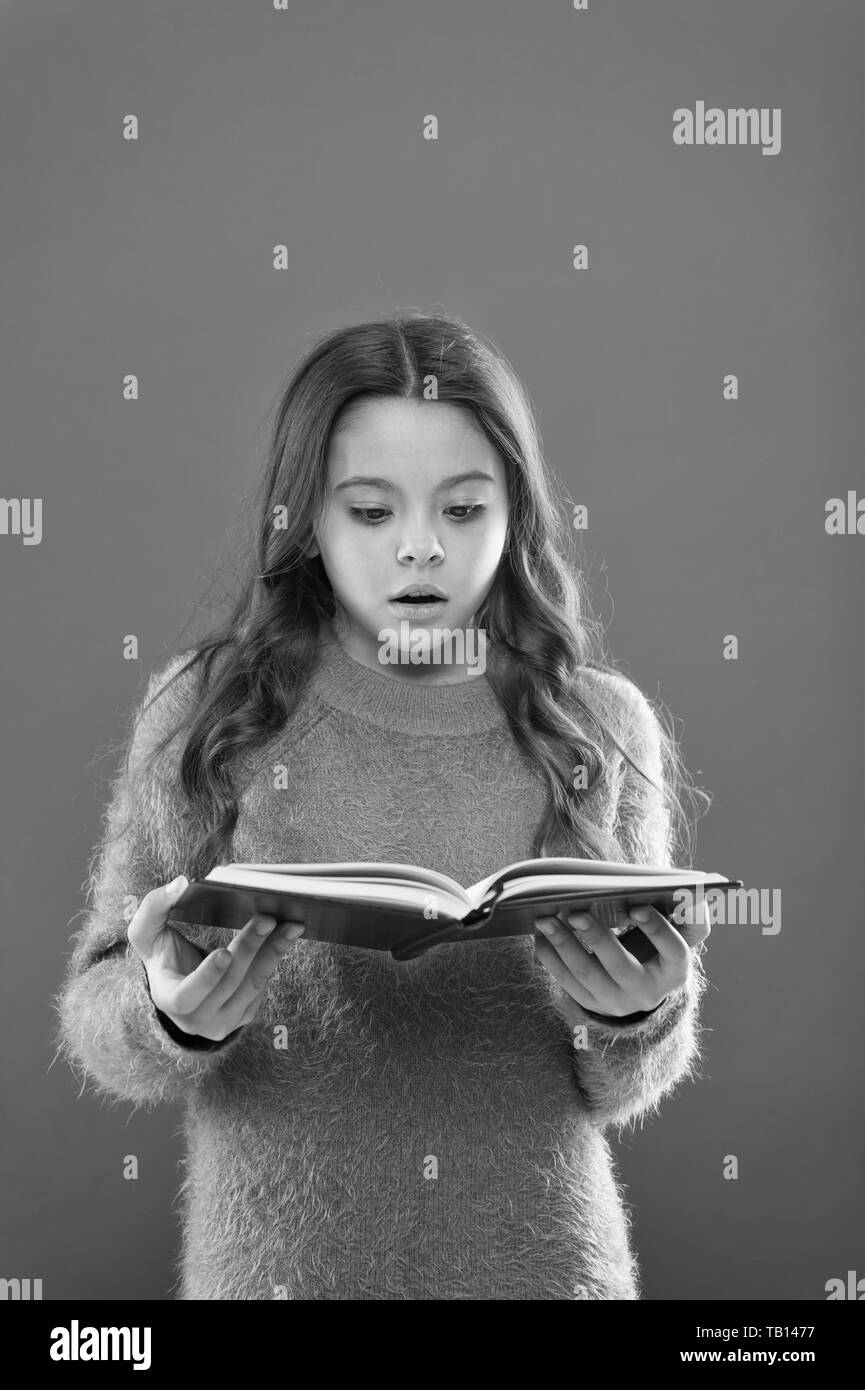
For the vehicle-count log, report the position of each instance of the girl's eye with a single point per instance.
(373, 516)
(473, 508)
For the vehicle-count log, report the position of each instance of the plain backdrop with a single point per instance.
(706, 516)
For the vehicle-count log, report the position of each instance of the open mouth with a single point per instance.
(420, 598)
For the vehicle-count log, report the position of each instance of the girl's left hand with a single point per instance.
(602, 975)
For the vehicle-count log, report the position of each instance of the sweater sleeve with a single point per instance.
(108, 1024)
(630, 1063)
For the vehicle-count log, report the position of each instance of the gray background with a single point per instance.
(706, 517)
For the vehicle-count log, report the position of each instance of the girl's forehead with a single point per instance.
(388, 418)
(407, 436)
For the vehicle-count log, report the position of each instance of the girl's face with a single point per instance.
(400, 510)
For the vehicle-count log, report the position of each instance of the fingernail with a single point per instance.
(640, 914)
(580, 921)
(546, 927)
(285, 935)
(173, 887)
(264, 925)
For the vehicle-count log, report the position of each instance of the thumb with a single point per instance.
(152, 915)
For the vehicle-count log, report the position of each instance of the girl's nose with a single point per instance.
(418, 549)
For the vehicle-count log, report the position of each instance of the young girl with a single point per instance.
(359, 1127)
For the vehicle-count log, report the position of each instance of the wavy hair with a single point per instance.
(252, 668)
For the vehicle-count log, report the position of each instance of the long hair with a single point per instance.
(251, 670)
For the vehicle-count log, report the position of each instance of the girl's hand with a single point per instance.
(206, 994)
(602, 975)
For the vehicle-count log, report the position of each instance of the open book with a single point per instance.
(404, 909)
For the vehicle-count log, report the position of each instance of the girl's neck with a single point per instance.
(446, 661)
(411, 706)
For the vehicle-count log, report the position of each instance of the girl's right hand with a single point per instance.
(206, 995)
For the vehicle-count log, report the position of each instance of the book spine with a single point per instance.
(478, 915)
(451, 931)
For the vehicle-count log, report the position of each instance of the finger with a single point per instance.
(247, 948)
(249, 991)
(194, 989)
(594, 936)
(190, 996)
(580, 978)
(152, 915)
(671, 943)
(695, 916)
(697, 931)
(251, 1013)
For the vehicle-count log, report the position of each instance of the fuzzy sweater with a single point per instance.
(424, 1129)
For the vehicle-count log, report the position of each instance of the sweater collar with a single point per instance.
(345, 684)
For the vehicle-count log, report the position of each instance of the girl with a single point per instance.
(358, 1127)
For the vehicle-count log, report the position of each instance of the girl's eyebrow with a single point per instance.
(360, 480)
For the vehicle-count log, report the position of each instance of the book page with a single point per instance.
(347, 890)
(558, 885)
(541, 868)
(361, 872)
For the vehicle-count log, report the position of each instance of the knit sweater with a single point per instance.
(424, 1129)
